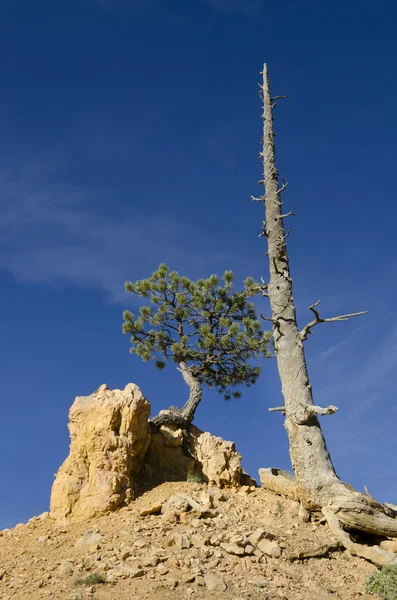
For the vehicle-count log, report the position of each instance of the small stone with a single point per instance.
(172, 583)
(233, 549)
(183, 541)
(236, 539)
(217, 538)
(218, 496)
(43, 538)
(89, 539)
(249, 549)
(200, 580)
(189, 578)
(189, 591)
(257, 536)
(214, 583)
(270, 548)
(196, 522)
(184, 518)
(191, 501)
(154, 509)
(150, 561)
(65, 568)
(258, 581)
(162, 569)
(198, 540)
(207, 499)
(126, 571)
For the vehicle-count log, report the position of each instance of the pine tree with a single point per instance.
(209, 330)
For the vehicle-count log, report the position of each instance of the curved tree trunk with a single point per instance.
(184, 416)
(317, 485)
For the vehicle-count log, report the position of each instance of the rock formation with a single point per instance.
(165, 458)
(217, 461)
(115, 449)
(110, 434)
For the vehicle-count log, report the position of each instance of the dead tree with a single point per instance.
(318, 488)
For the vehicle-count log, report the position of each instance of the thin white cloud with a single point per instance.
(54, 233)
(359, 379)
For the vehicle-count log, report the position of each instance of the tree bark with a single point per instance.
(184, 416)
(317, 485)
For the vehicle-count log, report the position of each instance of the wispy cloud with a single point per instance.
(53, 232)
(359, 379)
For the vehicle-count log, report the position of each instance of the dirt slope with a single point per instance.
(200, 547)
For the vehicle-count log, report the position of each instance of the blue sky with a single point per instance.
(130, 135)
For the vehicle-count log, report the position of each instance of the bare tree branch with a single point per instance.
(278, 97)
(288, 214)
(285, 236)
(266, 318)
(307, 329)
(263, 232)
(263, 289)
(277, 409)
(284, 186)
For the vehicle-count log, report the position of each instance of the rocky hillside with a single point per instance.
(142, 512)
(181, 540)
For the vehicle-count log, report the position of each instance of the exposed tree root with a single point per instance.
(359, 511)
(172, 416)
(374, 554)
(318, 552)
(343, 506)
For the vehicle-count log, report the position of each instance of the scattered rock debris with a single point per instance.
(181, 540)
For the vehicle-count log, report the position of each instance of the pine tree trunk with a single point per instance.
(182, 417)
(317, 485)
(189, 409)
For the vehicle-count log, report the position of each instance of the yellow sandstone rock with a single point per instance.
(109, 433)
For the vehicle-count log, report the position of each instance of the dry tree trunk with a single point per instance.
(182, 417)
(318, 486)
